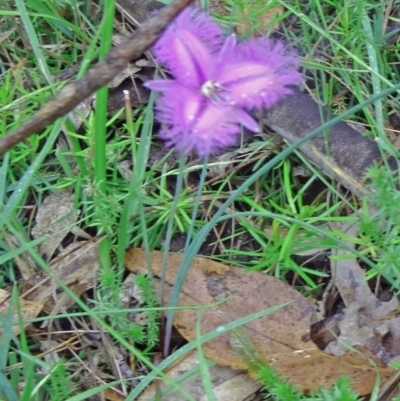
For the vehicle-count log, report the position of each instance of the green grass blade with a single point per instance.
(33, 40)
(3, 179)
(23, 185)
(100, 157)
(373, 62)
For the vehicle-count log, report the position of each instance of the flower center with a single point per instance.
(212, 90)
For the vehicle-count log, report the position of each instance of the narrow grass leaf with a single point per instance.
(23, 184)
(3, 178)
(205, 373)
(373, 62)
(33, 40)
(48, 12)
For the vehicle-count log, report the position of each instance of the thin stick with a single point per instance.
(100, 75)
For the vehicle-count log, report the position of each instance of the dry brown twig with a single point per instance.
(98, 76)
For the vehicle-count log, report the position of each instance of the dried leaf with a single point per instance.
(351, 283)
(77, 266)
(53, 216)
(112, 395)
(50, 349)
(282, 338)
(29, 309)
(24, 261)
(220, 164)
(228, 384)
(363, 321)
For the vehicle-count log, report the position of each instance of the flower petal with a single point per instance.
(227, 49)
(199, 23)
(187, 45)
(189, 59)
(160, 85)
(247, 120)
(257, 73)
(214, 129)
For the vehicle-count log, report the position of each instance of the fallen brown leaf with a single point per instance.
(77, 266)
(29, 310)
(24, 261)
(50, 350)
(112, 395)
(365, 320)
(282, 338)
(228, 384)
(53, 218)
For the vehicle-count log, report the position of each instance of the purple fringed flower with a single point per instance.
(202, 108)
(190, 28)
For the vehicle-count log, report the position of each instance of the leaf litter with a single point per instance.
(365, 320)
(228, 384)
(282, 338)
(77, 267)
(29, 310)
(54, 216)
